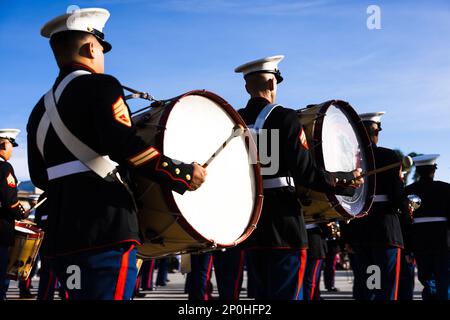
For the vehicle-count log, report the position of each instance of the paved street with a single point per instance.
(175, 289)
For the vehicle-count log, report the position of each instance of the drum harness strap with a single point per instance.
(88, 159)
(278, 182)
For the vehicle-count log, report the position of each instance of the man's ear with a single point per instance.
(3, 145)
(271, 84)
(91, 49)
(87, 50)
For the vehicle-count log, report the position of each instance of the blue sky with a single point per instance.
(173, 46)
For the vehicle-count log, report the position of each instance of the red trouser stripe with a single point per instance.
(208, 277)
(314, 282)
(301, 272)
(397, 273)
(121, 281)
(150, 273)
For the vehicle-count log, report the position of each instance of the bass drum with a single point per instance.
(225, 210)
(337, 141)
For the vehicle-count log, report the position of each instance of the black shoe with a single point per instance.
(333, 289)
(148, 289)
(140, 295)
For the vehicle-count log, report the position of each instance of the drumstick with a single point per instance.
(406, 162)
(238, 130)
(38, 204)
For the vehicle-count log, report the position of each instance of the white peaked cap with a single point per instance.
(426, 160)
(90, 20)
(10, 134)
(372, 116)
(264, 65)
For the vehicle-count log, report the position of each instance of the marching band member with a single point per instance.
(384, 230)
(277, 248)
(356, 244)
(332, 237)
(429, 231)
(74, 132)
(10, 207)
(407, 262)
(315, 256)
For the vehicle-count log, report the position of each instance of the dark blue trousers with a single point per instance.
(388, 259)
(278, 273)
(48, 281)
(147, 269)
(228, 269)
(3, 267)
(163, 270)
(359, 261)
(312, 279)
(433, 272)
(197, 281)
(109, 274)
(329, 272)
(406, 283)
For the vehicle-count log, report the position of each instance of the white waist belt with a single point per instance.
(429, 219)
(311, 226)
(380, 198)
(66, 169)
(277, 183)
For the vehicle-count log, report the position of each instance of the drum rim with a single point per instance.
(350, 112)
(167, 193)
(38, 233)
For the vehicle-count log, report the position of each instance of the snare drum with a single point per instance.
(224, 211)
(338, 142)
(23, 255)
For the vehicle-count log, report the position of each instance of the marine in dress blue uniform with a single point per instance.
(355, 237)
(430, 229)
(316, 253)
(92, 221)
(10, 207)
(383, 224)
(407, 262)
(333, 241)
(276, 252)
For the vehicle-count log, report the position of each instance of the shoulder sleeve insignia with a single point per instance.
(11, 181)
(303, 139)
(120, 112)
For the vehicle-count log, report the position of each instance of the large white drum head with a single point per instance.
(341, 147)
(221, 209)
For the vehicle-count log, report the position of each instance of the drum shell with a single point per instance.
(162, 225)
(23, 254)
(320, 206)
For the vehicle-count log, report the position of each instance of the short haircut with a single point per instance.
(67, 42)
(258, 81)
(425, 171)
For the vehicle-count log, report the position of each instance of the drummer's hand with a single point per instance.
(198, 176)
(357, 179)
(22, 213)
(26, 214)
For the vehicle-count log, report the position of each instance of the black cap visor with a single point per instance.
(276, 73)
